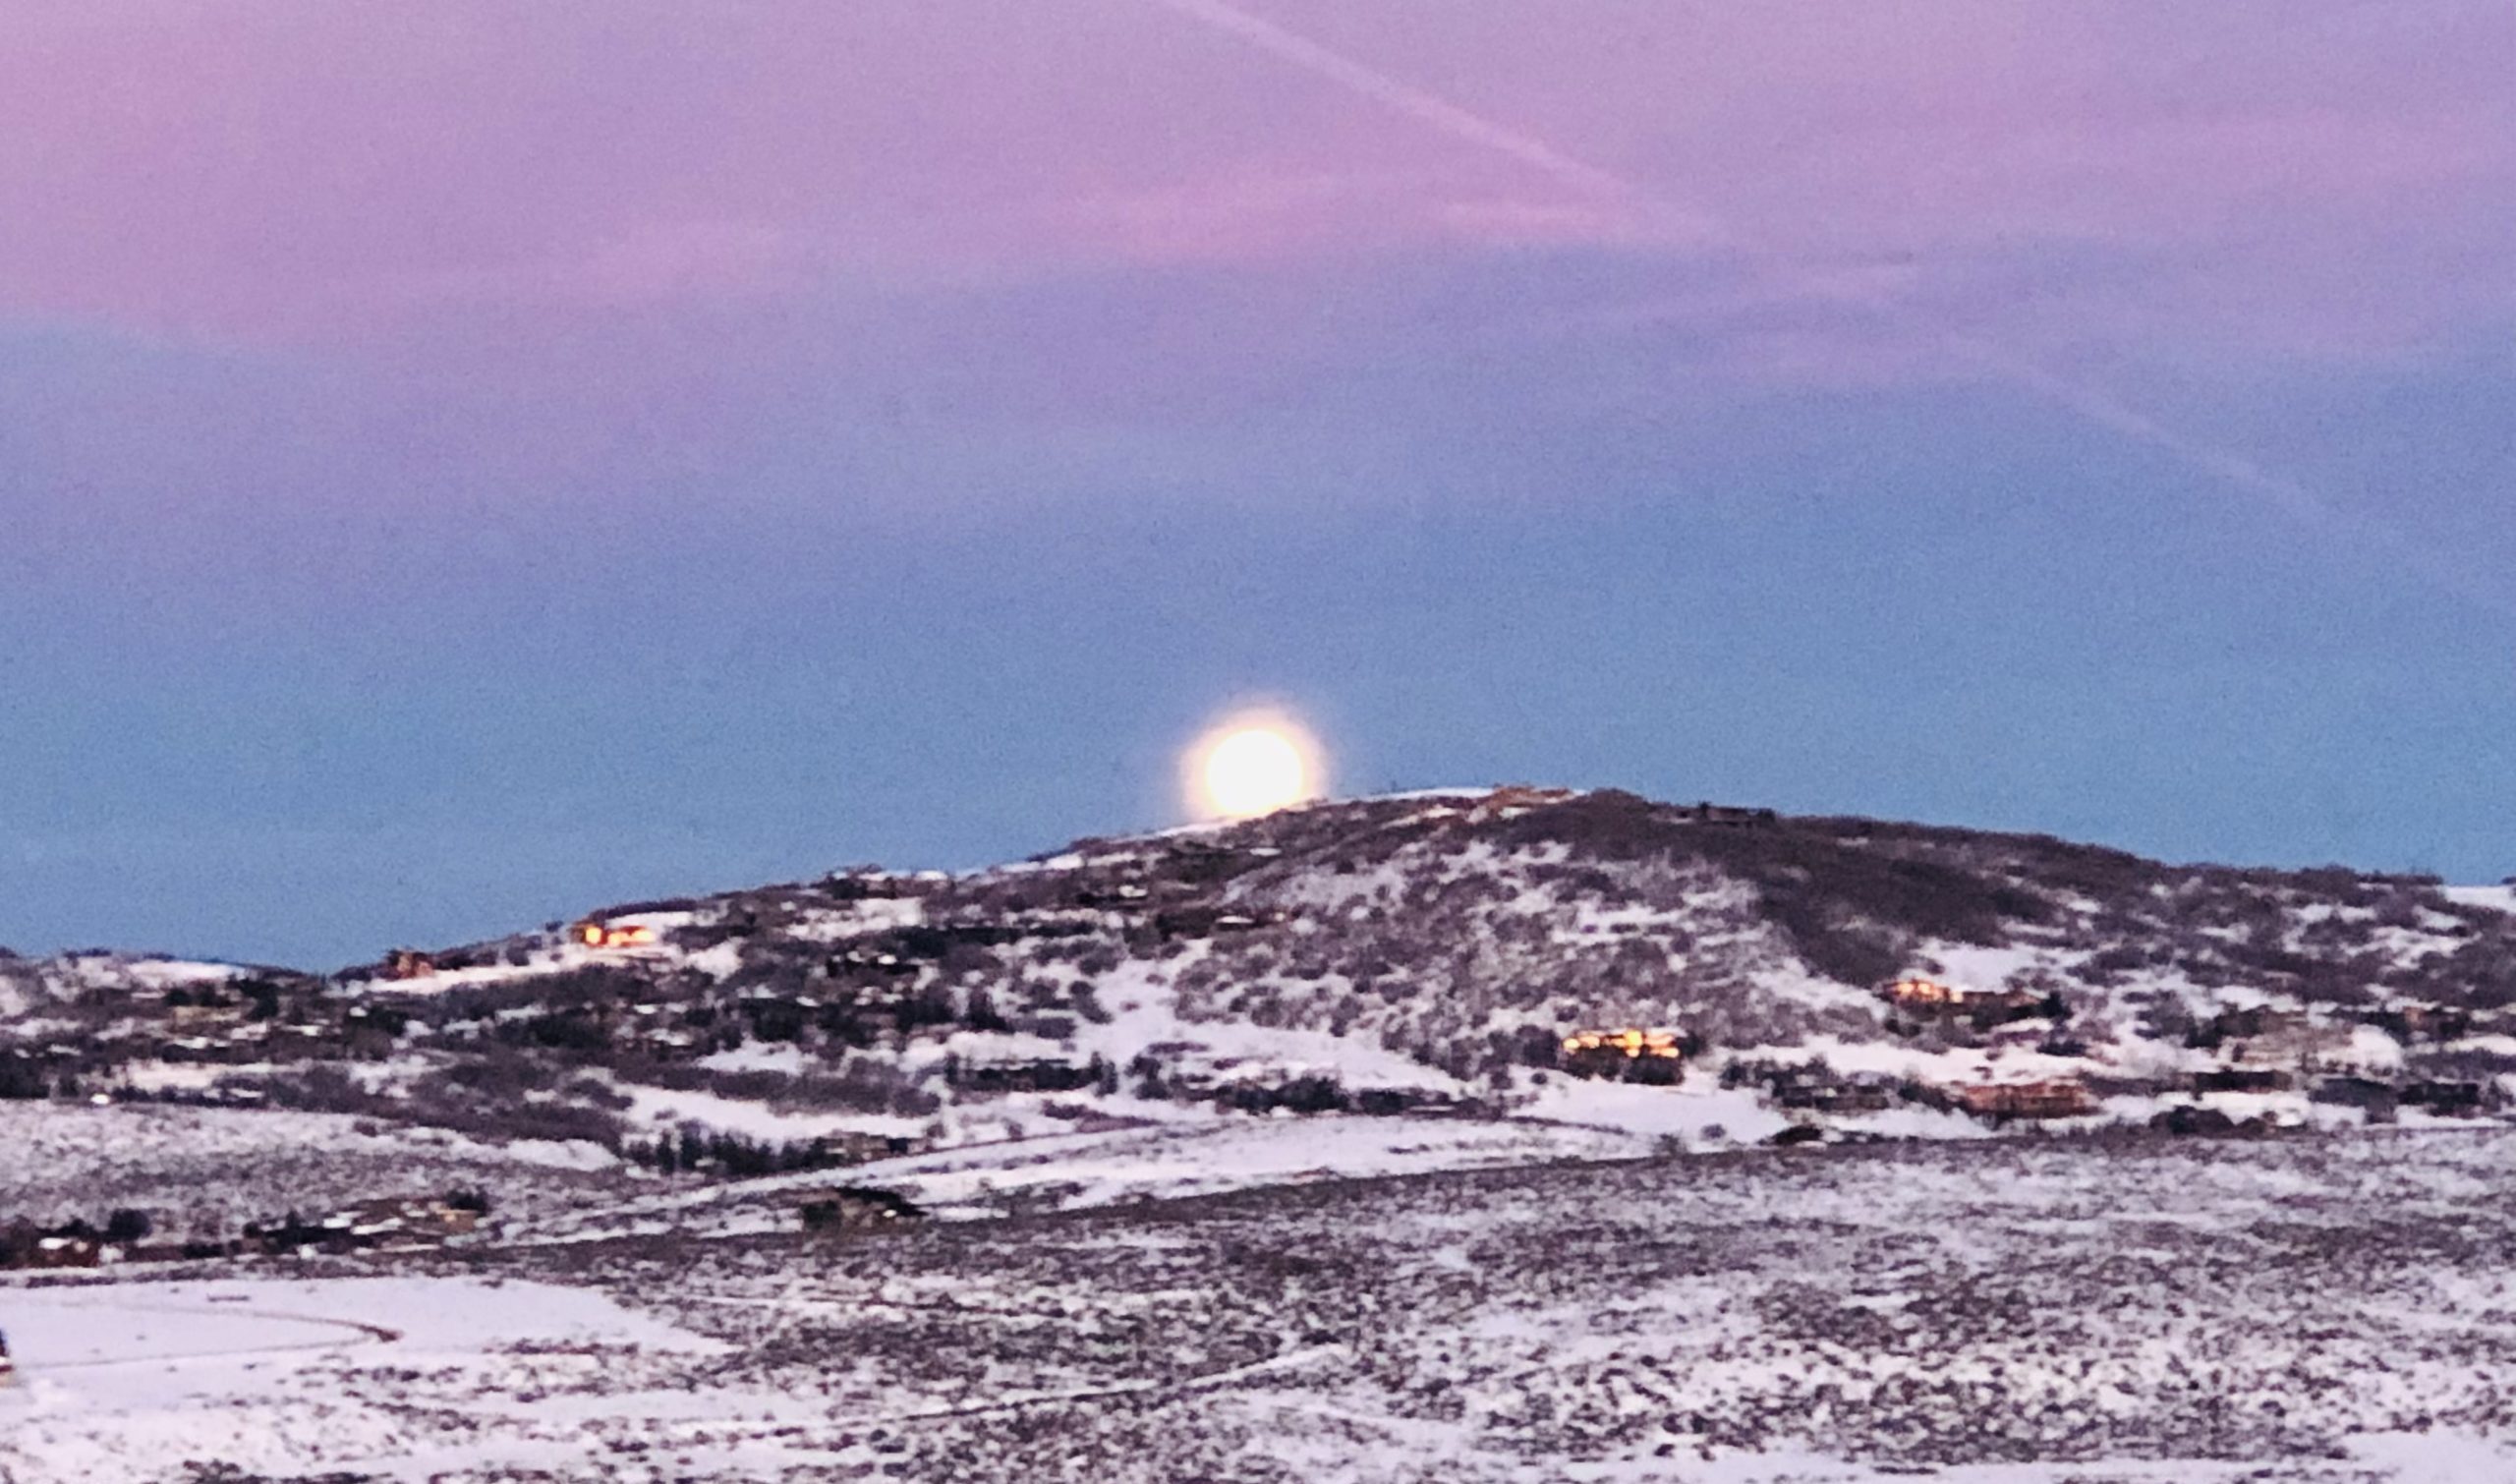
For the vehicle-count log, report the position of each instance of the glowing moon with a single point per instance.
(1252, 766)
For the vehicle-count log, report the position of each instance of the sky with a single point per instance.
(463, 463)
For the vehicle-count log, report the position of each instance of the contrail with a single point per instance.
(2091, 403)
(1437, 113)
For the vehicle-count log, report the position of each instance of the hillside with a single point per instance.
(1423, 954)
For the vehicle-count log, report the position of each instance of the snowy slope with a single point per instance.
(1403, 955)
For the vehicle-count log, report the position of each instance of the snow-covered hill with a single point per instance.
(1426, 954)
(1463, 1089)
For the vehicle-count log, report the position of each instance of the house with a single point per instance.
(1986, 1007)
(854, 1147)
(2242, 1080)
(1630, 1054)
(1858, 1093)
(1033, 1075)
(1813, 1086)
(853, 1208)
(408, 963)
(1918, 992)
(388, 1222)
(2426, 1022)
(869, 958)
(2056, 1099)
(601, 935)
(68, 1249)
(2379, 1100)
(2451, 1100)
(864, 883)
(406, 1219)
(2186, 1122)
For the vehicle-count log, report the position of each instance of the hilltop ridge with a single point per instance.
(1441, 951)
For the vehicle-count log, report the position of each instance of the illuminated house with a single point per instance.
(1917, 992)
(1630, 1054)
(1985, 1006)
(596, 935)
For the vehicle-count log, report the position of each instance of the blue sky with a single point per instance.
(895, 504)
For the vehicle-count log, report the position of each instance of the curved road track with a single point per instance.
(81, 1330)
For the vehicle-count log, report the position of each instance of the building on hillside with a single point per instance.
(2424, 1022)
(1025, 1075)
(1628, 1054)
(863, 884)
(2242, 1079)
(850, 1208)
(409, 963)
(1928, 996)
(388, 1222)
(68, 1249)
(1815, 1088)
(2451, 1100)
(855, 1147)
(595, 933)
(411, 1219)
(1916, 993)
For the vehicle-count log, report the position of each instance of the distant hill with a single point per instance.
(1437, 952)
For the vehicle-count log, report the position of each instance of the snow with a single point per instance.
(46, 1138)
(718, 962)
(174, 973)
(874, 914)
(1971, 966)
(1143, 1004)
(1689, 1111)
(1957, 1064)
(120, 1382)
(658, 1109)
(761, 1057)
(1079, 1170)
(2498, 899)
(1099, 1170)
(1924, 1309)
(2436, 1457)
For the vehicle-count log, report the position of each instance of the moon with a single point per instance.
(1252, 765)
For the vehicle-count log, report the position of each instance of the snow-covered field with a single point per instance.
(1120, 1166)
(131, 1381)
(221, 1166)
(2325, 1310)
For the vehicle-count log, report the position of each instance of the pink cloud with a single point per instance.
(2301, 178)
